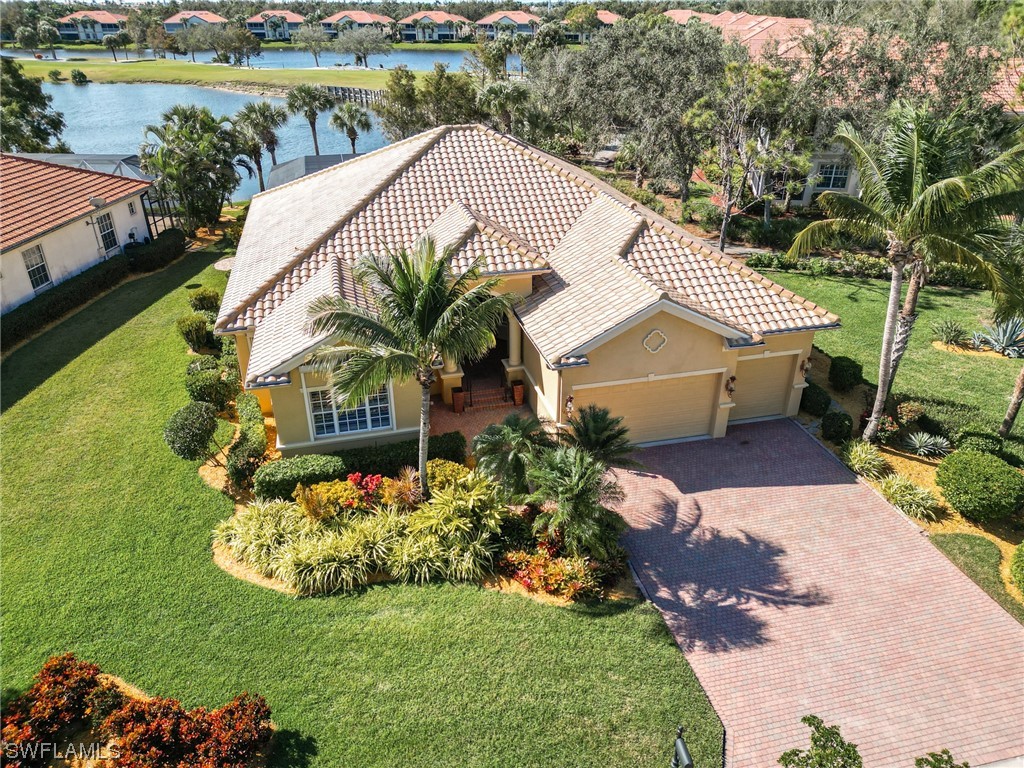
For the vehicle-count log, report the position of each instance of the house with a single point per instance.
(604, 19)
(753, 31)
(297, 167)
(433, 26)
(511, 22)
(116, 164)
(90, 25)
(619, 306)
(59, 221)
(275, 25)
(344, 20)
(179, 21)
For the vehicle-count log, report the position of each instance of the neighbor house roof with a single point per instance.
(290, 16)
(207, 16)
(519, 17)
(597, 258)
(752, 30)
(607, 17)
(37, 197)
(438, 17)
(103, 17)
(358, 17)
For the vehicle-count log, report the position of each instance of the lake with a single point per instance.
(111, 118)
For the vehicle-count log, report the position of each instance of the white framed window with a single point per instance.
(327, 420)
(35, 263)
(832, 176)
(105, 225)
(131, 208)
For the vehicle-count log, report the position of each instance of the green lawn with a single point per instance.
(982, 383)
(106, 539)
(979, 558)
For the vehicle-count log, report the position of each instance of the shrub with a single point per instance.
(981, 444)
(980, 486)
(642, 196)
(605, 437)
(815, 400)
(704, 210)
(388, 459)
(211, 387)
(777, 261)
(1006, 338)
(836, 426)
(888, 427)
(204, 299)
(55, 75)
(911, 499)
(404, 491)
(246, 454)
(573, 578)
(956, 276)
(442, 473)
(193, 328)
(950, 332)
(105, 699)
(78, 77)
(923, 444)
(952, 420)
(504, 451)
(158, 252)
(278, 479)
(865, 459)
(190, 430)
(909, 411)
(1017, 566)
(355, 495)
(845, 373)
(202, 363)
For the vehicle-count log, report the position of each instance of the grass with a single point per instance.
(106, 552)
(979, 558)
(187, 72)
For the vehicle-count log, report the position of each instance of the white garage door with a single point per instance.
(762, 387)
(664, 409)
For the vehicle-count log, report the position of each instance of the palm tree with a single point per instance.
(504, 451)
(112, 42)
(1010, 304)
(249, 146)
(595, 430)
(423, 312)
(572, 490)
(264, 120)
(908, 206)
(310, 101)
(350, 119)
(504, 101)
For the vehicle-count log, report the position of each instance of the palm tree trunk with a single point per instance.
(258, 162)
(1015, 403)
(273, 156)
(424, 435)
(907, 318)
(898, 260)
(352, 136)
(316, 144)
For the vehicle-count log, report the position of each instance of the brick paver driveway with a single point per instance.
(793, 589)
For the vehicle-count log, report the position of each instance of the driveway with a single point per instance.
(793, 589)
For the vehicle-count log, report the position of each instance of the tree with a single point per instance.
(504, 451)
(239, 44)
(573, 491)
(194, 157)
(27, 38)
(264, 120)
(249, 142)
(582, 19)
(27, 124)
(350, 119)
(1010, 304)
(310, 101)
(190, 430)
(422, 311)
(505, 101)
(190, 39)
(112, 42)
(913, 206)
(312, 38)
(399, 108)
(447, 98)
(49, 36)
(604, 436)
(159, 40)
(362, 43)
(828, 748)
(137, 29)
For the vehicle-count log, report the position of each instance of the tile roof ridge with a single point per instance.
(623, 263)
(505, 236)
(73, 168)
(356, 207)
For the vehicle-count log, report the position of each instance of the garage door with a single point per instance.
(664, 409)
(762, 387)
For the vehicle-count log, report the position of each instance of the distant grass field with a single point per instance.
(187, 73)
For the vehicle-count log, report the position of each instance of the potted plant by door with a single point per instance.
(518, 392)
(458, 399)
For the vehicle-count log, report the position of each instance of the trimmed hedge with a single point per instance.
(815, 400)
(158, 252)
(981, 444)
(277, 480)
(845, 373)
(1017, 566)
(190, 430)
(980, 486)
(209, 386)
(246, 454)
(836, 426)
(388, 459)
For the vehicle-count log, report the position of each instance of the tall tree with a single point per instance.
(48, 36)
(422, 311)
(447, 98)
(505, 101)
(312, 38)
(399, 109)
(361, 44)
(309, 101)
(27, 38)
(137, 28)
(27, 124)
(351, 119)
(264, 119)
(112, 43)
(909, 207)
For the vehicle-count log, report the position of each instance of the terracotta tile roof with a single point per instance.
(36, 197)
(438, 17)
(753, 31)
(357, 17)
(290, 16)
(1007, 87)
(598, 257)
(207, 16)
(608, 17)
(519, 17)
(103, 17)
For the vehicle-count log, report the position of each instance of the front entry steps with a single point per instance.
(489, 397)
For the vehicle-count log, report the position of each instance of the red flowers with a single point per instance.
(544, 571)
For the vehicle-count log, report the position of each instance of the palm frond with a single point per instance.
(364, 372)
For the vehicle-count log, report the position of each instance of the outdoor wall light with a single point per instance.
(730, 386)
(805, 366)
(570, 404)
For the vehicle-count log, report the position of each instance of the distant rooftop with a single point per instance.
(128, 166)
(298, 167)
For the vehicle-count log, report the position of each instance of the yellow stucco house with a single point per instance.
(620, 307)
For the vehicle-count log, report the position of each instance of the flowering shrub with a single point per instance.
(542, 571)
(909, 411)
(442, 473)
(357, 495)
(888, 427)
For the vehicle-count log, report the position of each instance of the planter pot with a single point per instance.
(518, 392)
(458, 400)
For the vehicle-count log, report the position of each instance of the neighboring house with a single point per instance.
(604, 19)
(512, 22)
(297, 167)
(179, 21)
(275, 25)
(620, 306)
(119, 165)
(753, 31)
(433, 26)
(344, 20)
(58, 221)
(90, 25)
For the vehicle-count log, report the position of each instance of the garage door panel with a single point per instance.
(664, 409)
(762, 387)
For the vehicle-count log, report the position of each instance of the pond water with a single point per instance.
(111, 118)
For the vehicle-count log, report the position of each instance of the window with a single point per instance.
(35, 263)
(833, 176)
(108, 236)
(374, 413)
(131, 208)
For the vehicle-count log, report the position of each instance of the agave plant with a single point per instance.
(923, 444)
(950, 332)
(1006, 338)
